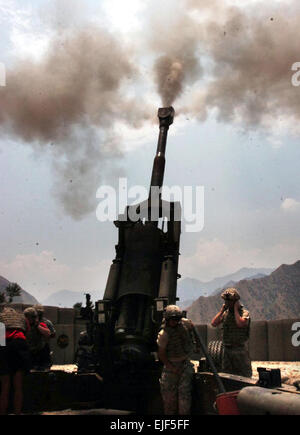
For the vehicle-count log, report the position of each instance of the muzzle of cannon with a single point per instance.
(166, 117)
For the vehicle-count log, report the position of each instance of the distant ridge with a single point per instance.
(24, 298)
(272, 297)
(67, 298)
(232, 283)
(190, 289)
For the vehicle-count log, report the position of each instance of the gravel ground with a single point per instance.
(69, 368)
(290, 371)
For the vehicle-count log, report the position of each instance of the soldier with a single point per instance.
(45, 354)
(236, 328)
(14, 359)
(175, 344)
(40, 311)
(37, 335)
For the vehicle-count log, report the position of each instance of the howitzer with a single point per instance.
(143, 276)
(120, 338)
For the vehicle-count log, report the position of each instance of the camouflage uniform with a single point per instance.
(44, 359)
(40, 311)
(37, 342)
(176, 388)
(236, 359)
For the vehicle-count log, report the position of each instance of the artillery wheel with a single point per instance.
(215, 350)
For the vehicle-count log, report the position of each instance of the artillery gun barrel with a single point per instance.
(144, 269)
(166, 116)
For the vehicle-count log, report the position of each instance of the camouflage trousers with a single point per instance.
(176, 389)
(236, 360)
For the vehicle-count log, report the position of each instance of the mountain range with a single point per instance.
(24, 298)
(272, 297)
(67, 298)
(189, 289)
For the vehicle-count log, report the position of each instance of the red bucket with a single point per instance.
(227, 403)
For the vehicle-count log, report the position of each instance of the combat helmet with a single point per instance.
(39, 309)
(230, 294)
(172, 311)
(30, 313)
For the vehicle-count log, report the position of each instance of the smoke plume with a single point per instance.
(67, 104)
(173, 39)
(206, 56)
(246, 54)
(170, 75)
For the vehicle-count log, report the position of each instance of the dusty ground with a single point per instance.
(69, 368)
(290, 371)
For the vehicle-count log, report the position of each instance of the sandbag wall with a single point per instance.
(272, 340)
(67, 327)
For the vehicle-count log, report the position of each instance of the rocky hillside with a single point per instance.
(276, 296)
(24, 298)
(190, 289)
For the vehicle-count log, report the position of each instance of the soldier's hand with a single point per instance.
(190, 324)
(237, 305)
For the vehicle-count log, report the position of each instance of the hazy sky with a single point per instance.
(243, 147)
